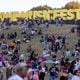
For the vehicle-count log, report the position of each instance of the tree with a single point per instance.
(45, 7)
(72, 5)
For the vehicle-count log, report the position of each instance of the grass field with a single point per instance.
(72, 38)
(65, 30)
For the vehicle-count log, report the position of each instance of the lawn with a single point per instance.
(72, 38)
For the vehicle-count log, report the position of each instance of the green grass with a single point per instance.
(65, 30)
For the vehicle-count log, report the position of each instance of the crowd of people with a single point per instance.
(34, 66)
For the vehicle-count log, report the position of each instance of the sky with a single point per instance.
(24, 5)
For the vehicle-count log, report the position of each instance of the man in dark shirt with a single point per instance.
(53, 72)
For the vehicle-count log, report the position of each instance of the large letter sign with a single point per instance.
(45, 14)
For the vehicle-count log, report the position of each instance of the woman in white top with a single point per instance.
(77, 75)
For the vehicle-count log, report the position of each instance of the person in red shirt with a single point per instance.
(53, 39)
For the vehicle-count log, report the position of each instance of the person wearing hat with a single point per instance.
(21, 71)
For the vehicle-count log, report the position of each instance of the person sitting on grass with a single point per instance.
(12, 44)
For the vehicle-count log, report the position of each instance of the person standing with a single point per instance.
(21, 72)
(41, 72)
(53, 72)
(76, 75)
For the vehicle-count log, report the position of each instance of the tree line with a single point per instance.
(69, 5)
